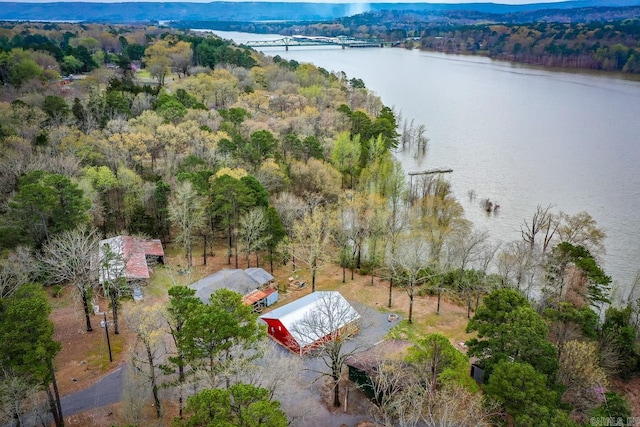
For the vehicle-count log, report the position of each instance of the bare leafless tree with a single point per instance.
(187, 213)
(112, 278)
(393, 386)
(21, 401)
(19, 268)
(69, 258)
(291, 209)
(141, 103)
(340, 239)
(582, 230)
(420, 138)
(454, 405)
(313, 200)
(408, 267)
(406, 136)
(252, 232)
(397, 219)
(487, 255)
(133, 401)
(282, 373)
(465, 249)
(330, 326)
(634, 292)
(518, 266)
(403, 400)
(310, 237)
(147, 322)
(543, 223)
(55, 163)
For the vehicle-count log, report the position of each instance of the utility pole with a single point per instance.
(106, 329)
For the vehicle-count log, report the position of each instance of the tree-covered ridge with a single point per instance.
(594, 38)
(612, 46)
(412, 20)
(146, 12)
(44, 51)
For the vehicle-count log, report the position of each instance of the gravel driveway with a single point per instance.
(374, 326)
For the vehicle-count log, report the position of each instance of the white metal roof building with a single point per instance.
(302, 324)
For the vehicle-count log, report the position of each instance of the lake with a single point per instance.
(518, 135)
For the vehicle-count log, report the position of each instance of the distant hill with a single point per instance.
(253, 11)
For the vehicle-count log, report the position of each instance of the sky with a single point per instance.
(288, 1)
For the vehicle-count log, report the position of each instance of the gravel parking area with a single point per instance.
(315, 395)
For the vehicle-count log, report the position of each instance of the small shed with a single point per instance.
(334, 312)
(256, 299)
(364, 364)
(260, 299)
(477, 373)
(272, 297)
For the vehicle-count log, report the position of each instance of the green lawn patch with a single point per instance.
(98, 357)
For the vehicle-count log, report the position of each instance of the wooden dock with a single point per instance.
(430, 172)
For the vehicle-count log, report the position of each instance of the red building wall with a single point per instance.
(277, 330)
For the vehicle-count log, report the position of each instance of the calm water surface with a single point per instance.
(517, 135)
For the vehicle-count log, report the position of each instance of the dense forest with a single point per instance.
(180, 136)
(589, 38)
(610, 47)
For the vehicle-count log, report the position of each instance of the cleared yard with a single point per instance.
(84, 358)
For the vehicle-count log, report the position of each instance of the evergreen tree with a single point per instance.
(27, 346)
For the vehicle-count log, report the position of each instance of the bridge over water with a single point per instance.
(342, 41)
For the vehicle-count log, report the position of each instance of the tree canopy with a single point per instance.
(241, 405)
(28, 348)
(510, 330)
(44, 205)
